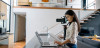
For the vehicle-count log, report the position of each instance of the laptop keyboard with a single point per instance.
(46, 43)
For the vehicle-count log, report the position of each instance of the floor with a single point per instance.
(3, 46)
(20, 44)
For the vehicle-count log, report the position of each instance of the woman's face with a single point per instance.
(69, 18)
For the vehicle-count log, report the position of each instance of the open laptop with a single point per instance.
(55, 37)
(45, 44)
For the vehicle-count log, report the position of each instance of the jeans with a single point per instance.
(70, 45)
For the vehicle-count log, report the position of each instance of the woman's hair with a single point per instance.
(75, 19)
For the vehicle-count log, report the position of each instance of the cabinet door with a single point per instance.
(23, 2)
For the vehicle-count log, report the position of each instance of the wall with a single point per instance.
(11, 41)
(20, 29)
(36, 22)
(97, 4)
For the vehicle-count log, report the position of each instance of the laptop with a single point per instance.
(45, 44)
(55, 37)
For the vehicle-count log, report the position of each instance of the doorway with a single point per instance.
(20, 31)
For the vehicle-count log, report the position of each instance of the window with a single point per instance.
(5, 20)
(91, 4)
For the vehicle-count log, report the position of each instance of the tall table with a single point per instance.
(46, 38)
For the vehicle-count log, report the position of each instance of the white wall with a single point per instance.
(40, 18)
(12, 25)
(97, 4)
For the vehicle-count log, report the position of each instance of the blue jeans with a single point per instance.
(70, 45)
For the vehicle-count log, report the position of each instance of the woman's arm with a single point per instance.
(70, 36)
(66, 41)
(61, 35)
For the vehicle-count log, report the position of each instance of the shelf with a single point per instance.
(52, 8)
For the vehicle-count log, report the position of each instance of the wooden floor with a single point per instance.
(20, 44)
(3, 46)
(11, 44)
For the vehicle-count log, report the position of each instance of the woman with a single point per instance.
(73, 27)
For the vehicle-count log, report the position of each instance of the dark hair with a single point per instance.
(75, 19)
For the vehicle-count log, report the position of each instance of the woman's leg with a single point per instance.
(71, 45)
(74, 46)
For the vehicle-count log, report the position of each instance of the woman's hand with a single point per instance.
(59, 43)
(65, 26)
(60, 36)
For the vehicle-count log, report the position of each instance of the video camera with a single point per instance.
(62, 20)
